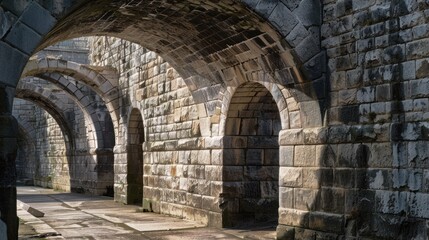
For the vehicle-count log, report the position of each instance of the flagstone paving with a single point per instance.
(78, 216)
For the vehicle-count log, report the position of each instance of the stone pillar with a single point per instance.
(105, 174)
(8, 150)
(120, 173)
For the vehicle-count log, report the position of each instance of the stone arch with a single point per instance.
(54, 170)
(296, 21)
(25, 162)
(205, 39)
(102, 80)
(135, 140)
(105, 139)
(278, 38)
(288, 107)
(53, 105)
(251, 157)
(98, 149)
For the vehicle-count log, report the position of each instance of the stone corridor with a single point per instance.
(312, 115)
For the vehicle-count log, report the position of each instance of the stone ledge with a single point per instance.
(30, 209)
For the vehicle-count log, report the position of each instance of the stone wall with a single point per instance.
(375, 184)
(348, 78)
(177, 170)
(41, 155)
(61, 147)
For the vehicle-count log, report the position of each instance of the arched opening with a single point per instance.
(135, 158)
(251, 158)
(26, 156)
(207, 40)
(50, 164)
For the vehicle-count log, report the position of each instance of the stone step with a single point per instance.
(30, 209)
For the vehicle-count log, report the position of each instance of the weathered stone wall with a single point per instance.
(176, 169)
(58, 147)
(372, 181)
(352, 177)
(62, 149)
(352, 144)
(43, 160)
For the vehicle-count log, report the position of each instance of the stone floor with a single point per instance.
(78, 216)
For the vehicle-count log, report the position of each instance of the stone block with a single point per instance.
(422, 68)
(199, 186)
(309, 13)
(33, 211)
(400, 178)
(326, 222)
(359, 202)
(193, 200)
(262, 142)
(265, 8)
(216, 188)
(38, 18)
(233, 126)
(188, 143)
(326, 155)
(293, 217)
(271, 157)
(339, 134)
(344, 178)
(290, 177)
(418, 154)
(283, 19)
(394, 54)
(380, 155)
(295, 119)
(391, 202)
(254, 157)
(291, 137)
(378, 179)
(415, 178)
(213, 142)
(306, 199)
(346, 156)
(286, 197)
(233, 157)
(23, 38)
(308, 48)
(417, 49)
(332, 200)
(266, 173)
(425, 181)
(217, 157)
(210, 203)
(213, 173)
(215, 220)
(233, 173)
(418, 206)
(315, 135)
(234, 142)
(12, 62)
(7, 19)
(305, 156)
(286, 156)
(298, 34)
(285, 232)
(203, 157)
(248, 126)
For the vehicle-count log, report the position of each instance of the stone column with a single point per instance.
(8, 150)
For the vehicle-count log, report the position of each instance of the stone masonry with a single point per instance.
(308, 114)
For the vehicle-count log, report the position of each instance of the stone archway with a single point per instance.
(205, 40)
(251, 157)
(135, 158)
(26, 156)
